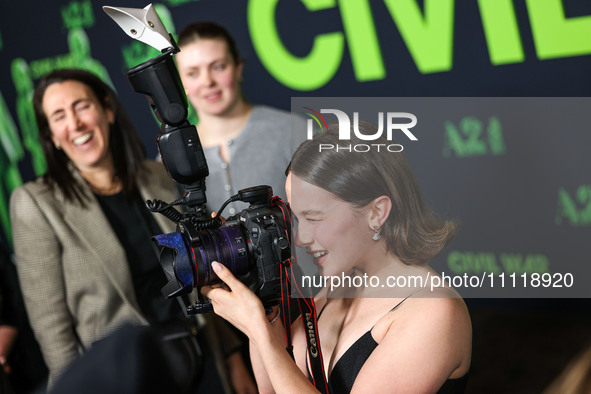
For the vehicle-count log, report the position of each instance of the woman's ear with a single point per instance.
(379, 211)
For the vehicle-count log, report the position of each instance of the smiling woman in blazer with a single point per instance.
(81, 231)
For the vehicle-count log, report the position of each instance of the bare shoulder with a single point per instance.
(441, 306)
(440, 324)
(432, 340)
(445, 315)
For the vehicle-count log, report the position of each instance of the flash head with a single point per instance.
(158, 79)
(142, 24)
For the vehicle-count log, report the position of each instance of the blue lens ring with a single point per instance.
(183, 267)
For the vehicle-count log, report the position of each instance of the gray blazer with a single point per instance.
(75, 279)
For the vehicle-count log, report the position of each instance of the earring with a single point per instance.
(376, 236)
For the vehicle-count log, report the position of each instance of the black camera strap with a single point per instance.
(310, 322)
(286, 305)
(307, 311)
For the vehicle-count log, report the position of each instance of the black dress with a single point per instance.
(345, 371)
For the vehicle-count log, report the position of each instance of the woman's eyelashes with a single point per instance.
(314, 219)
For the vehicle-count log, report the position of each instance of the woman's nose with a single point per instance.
(303, 238)
(206, 78)
(74, 123)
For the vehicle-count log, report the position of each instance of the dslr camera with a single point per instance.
(254, 243)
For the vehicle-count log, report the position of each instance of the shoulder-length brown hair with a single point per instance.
(125, 145)
(412, 231)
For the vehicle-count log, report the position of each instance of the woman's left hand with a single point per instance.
(235, 302)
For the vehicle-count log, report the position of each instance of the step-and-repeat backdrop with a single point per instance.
(519, 183)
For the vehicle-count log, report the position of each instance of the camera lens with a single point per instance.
(226, 245)
(187, 264)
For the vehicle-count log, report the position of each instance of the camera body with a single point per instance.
(251, 244)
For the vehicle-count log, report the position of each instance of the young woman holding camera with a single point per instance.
(360, 213)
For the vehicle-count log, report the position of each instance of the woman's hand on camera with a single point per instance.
(235, 302)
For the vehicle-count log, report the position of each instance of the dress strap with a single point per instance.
(405, 298)
(400, 303)
(322, 310)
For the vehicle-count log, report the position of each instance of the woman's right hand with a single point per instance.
(272, 365)
(235, 302)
